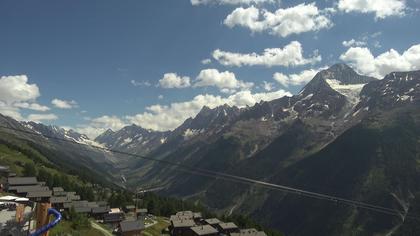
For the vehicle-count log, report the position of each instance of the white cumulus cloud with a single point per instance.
(31, 106)
(283, 22)
(381, 8)
(225, 81)
(172, 80)
(17, 89)
(301, 78)
(289, 55)
(362, 59)
(99, 125)
(16, 94)
(42, 117)
(63, 104)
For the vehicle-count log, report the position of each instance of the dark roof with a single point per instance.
(97, 210)
(229, 225)
(80, 203)
(204, 230)
(22, 181)
(102, 203)
(38, 194)
(83, 209)
(92, 204)
(73, 197)
(58, 189)
(76, 204)
(115, 217)
(31, 188)
(128, 226)
(59, 200)
(55, 193)
(212, 221)
(4, 169)
(142, 210)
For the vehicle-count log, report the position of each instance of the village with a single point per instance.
(23, 198)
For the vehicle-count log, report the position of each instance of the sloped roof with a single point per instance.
(204, 230)
(30, 188)
(37, 194)
(58, 189)
(128, 226)
(104, 209)
(59, 199)
(182, 223)
(22, 181)
(229, 225)
(212, 221)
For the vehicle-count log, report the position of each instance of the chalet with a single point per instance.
(204, 230)
(102, 203)
(39, 196)
(72, 196)
(21, 181)
(58, 189)
(114, 216)
(249, 232)
(131, 228)
(129, 208)
(14, 182)
(83, 209)
(227, 228)
(212, 221)
(185, 214)
(12, 174)
(197, 217)
(99, 212)
(30, 188)
(4, 171)
(58, 202)
(142, 212)
(181, 227)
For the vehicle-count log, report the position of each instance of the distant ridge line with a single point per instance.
(240, 179)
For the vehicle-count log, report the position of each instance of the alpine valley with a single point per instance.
(344, 134)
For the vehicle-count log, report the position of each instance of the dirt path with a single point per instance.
(98, 227)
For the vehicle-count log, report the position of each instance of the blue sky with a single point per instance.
(92, 65)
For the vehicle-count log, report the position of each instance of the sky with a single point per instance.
(99, 64)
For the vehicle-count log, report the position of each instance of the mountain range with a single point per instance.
(344, 134)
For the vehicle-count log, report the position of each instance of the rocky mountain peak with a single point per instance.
(345, 74)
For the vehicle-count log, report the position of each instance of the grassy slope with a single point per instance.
(155, 230)
(64, 228)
